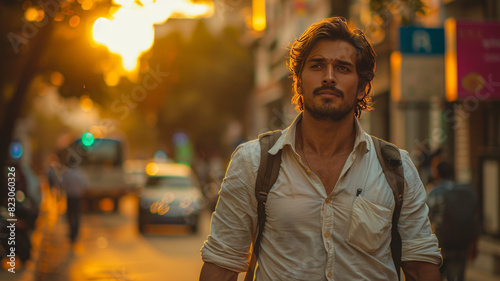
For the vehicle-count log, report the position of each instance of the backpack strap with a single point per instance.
(266, 177)
(390, 160)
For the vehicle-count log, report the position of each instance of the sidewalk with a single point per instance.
(50, 247)
(486, 262)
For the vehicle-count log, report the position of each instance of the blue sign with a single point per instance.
(421, 41)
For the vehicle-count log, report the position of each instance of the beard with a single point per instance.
(327, 110)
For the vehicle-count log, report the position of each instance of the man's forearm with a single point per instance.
(212, 272)
(421, 271)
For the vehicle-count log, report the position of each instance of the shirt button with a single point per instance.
(329, 274)
(327, 234)
(327, 200)
(308, 171)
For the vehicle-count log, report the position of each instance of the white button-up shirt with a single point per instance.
(311, 235)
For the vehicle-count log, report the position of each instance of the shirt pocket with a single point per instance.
(370, 225)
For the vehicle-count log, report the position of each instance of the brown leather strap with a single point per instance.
(266, 177)
(390, 160)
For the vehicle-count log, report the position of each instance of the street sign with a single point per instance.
(418, 68)
(421, 41)
(478, 60)
(422, 77)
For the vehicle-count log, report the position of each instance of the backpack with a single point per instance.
(390, 160)
(459, 222)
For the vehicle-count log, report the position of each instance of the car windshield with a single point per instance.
(155, 182)
(103, 152)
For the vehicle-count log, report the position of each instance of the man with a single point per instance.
(453, 215)
(329, 212)
(73, 182)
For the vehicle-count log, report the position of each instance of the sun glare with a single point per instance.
(129, 31)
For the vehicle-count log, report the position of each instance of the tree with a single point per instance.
(34, 41)
(22, 64)
(209, 77)
(215, 78)
(407, 8)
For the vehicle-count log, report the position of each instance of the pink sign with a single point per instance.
(478, 59)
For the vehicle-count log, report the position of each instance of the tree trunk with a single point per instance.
(13, 107)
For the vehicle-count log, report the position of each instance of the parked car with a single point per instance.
(24, 205)
(171, 195)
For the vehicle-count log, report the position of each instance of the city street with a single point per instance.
(137, 108)
(112, 249)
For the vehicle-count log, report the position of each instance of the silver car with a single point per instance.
(171, 196)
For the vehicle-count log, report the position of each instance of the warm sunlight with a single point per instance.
(451, 60)
(129, 31)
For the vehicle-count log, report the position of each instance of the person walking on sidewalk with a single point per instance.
(453, 212)
(73, 182)
(329, 212)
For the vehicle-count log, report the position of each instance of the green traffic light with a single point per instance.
(87, 139)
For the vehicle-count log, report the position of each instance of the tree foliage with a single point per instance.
(407, 8)
(213, 80)
(209, 77)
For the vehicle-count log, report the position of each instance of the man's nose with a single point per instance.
(329, 77)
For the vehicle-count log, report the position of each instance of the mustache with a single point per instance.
(329, 87)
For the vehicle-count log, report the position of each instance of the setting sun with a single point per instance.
(129, 31)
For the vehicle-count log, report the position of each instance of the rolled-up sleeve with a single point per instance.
(234, 220)
(419, 244)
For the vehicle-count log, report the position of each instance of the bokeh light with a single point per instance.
(168, 198)
(20, 196)
(31, 14)
(88, 139)
(154, 207)
(160, 156)
(87, 5)
(56, 78)
(164, 208)
(152, 169)
(74, 21)
(112, 78)
(180, 139)
(259, 15)
(16, 150)
(59, 17)
(186, 202)
(86, 103)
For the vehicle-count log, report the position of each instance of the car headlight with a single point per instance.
(190, 204)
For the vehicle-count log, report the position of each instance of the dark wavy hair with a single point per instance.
(334, 28)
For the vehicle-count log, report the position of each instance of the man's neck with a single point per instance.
(327, 137)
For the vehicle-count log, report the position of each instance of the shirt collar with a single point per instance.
(288, 137)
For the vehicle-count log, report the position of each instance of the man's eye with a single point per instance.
(342, 68)
(316, 66)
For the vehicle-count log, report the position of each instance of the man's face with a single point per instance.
(329, 81)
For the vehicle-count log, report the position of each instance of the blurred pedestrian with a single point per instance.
(54, 169)
(329, 213)
(453, 214)
(73, 182)
(425, 156)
